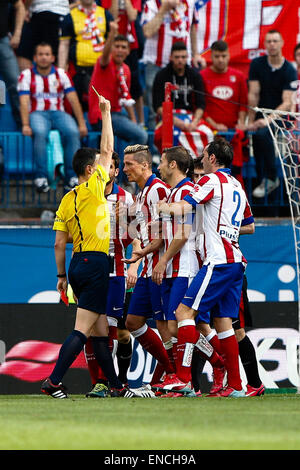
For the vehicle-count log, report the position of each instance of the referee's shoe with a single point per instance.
(55, 391)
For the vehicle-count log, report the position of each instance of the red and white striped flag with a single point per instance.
(194, 141)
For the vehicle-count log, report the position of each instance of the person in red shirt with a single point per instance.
(226, 91)
(226, 99)
(127, 11)
(112, 78)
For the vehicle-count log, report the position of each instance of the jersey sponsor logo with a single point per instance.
(222, 92)
(229, 233)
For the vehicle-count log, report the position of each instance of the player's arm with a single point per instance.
(61, 240)
(175, 208)
(247, 226)
(247, 229)
(138, 254)
(132, 271)
(180, 238)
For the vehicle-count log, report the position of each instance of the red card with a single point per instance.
(64, 298)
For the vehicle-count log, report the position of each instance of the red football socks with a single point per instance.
(230, 353)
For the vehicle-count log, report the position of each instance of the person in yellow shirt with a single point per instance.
(83, 215)
(83, 34)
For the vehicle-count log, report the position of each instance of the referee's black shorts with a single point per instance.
(244, 319)
(89, 278)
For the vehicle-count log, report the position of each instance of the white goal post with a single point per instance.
(284, 128)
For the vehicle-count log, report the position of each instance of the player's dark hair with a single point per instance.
(83, 157)
(190, 171)
(198, 164)
(141, 153)
(178, 46)
(222, 150)
(220, 46)
(180, 155)
(115, 157)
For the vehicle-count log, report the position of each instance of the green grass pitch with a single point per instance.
(38, 422)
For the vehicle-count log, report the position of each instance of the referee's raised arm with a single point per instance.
(107, 136)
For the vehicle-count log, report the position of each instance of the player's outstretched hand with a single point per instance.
(135, 256)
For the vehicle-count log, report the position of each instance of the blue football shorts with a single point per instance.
(172, 294)
(217, 290)
(146, 300)
(116, 296)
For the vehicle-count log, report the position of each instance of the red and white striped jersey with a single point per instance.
(146, 213)
(175, 27)
(119, 237)
(185, 263)
(225, 210)
(46, 92)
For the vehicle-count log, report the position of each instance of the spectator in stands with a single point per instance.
(42, 89)
(111, 78)
(163, 23)
(83, 34)
(226, 99)
(126, 12)
(43, 24)
(226, 91)
(297, 59)
(189, 97)
(296, 96)
(272, 81)
(9, 69)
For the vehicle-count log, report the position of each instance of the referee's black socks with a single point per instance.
(67, 355)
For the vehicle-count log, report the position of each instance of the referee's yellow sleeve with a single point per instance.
(59, 223)
(97, 182)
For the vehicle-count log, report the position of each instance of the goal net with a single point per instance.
(284, 128)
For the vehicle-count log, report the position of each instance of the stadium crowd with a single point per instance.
(82, 51)
(103, 66)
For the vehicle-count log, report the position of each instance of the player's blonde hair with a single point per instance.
(141, 153)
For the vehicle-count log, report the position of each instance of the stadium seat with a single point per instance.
(7, 121)
(17, 150)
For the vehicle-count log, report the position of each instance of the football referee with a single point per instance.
(83, 215)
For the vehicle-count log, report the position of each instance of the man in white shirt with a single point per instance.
(41, 90)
